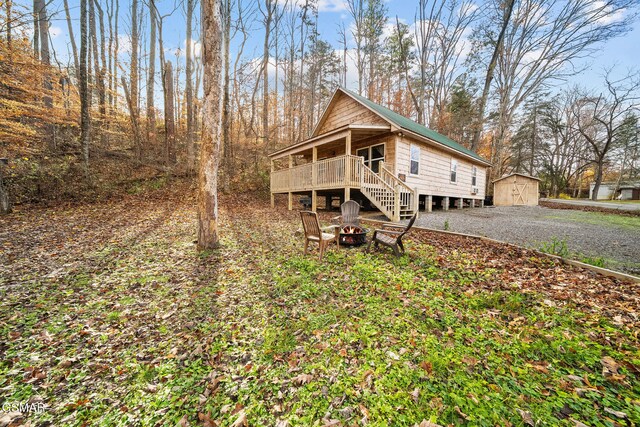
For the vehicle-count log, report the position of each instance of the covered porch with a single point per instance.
(353, 157)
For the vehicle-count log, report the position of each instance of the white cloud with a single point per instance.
(332, 5)
(196, 47)
(54, 31)
(124, 44)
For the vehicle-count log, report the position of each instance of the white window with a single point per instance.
(454, 170)
(414, 168)
(474, 176)
(372, 156)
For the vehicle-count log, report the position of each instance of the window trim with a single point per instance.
(369, 148)
(453, 169)
(411, 159)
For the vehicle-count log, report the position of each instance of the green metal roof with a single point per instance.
(412, 126)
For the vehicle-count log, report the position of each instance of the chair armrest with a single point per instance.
(336, 220)
(330, 228)
(390, 232)
(392, 227)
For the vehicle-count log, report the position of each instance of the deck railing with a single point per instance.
(392, 196)
(336, 172)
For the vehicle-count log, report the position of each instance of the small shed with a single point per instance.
(516, 190)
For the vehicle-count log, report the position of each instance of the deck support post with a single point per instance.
(273, 197)
(445, 203)
(290, 201)
(314, 195)
(460, 203)
(428, 203)
(482, 203)
(347, 167)
(396, 206)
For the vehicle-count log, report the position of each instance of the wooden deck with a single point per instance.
(392, 196)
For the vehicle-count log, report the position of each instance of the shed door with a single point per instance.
(519, 193)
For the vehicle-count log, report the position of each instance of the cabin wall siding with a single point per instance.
(347, 111)
(435, 169)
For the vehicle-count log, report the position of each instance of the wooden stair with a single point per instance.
(387, 193)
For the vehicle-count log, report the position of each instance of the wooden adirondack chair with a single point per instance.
(391, 235)
(313, 232)
(350, 214)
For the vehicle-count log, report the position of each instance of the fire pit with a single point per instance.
(353, 235)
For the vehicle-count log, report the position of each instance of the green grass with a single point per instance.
(631, 202)
(156, 332)
(612, 221)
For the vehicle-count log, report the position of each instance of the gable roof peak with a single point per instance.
(401, 122)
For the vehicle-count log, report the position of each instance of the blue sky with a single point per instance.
(621, 52)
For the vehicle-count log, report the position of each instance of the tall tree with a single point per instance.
(189, 81)
(507, 11)
(375, 19)
(169, 116)
(599, 118)
(85, 117)
(134, 73)
(268, 14)
(356, 9)
(151, 77)
(72, 39)
(45, 58)
(211, 126)
(226, 103)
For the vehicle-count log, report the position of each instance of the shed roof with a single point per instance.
(519, 174)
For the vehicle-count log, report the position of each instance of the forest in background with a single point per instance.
(492, 76)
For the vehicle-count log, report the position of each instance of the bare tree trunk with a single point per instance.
(9, 26)
(211, 133)
(134, 122)
(169, 116)
(489, 77)
(268, 17)
(85, 117)
(45, 58)
(189, 88)
(151, 78)
(134, 72)
(36, 30)
(5, 201)
(116, 48)
(74, 47)
(101, 76)
(226, 124)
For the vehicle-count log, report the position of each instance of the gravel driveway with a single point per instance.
(614, 238)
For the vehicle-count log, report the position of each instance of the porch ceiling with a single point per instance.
(331, 140)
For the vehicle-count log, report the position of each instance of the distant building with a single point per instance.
(629, 190)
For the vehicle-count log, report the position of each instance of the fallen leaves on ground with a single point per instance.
(111, 317)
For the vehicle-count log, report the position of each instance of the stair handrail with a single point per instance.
(396, 180)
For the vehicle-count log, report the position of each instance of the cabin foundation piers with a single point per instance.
(429, 203)
(445, 203)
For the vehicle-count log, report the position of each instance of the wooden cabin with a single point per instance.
(516, 190)
(362, 151)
